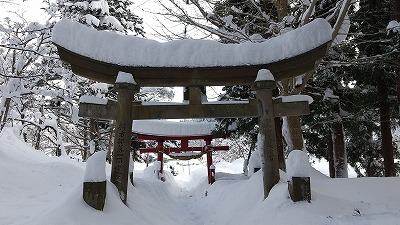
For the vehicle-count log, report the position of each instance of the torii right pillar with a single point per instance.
(264, 85)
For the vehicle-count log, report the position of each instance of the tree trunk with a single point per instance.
(293, 135)
(396, 16)
(339, 149)
(279, 144)
(370, 168)
(396, 10)
(386, 131)
(4, 116)
(24, 134)
(93, 135)
(329, 157)
(110, 143)
(37, 138)
(281, 8)
(60, 145)
(86, 150)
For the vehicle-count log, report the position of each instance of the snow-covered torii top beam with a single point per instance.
(100, 55)
(163, 128)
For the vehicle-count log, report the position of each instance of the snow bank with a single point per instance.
(71, 209)
(13, 148)
(36, 189)
(30, 180)
(134, 51)
(152, 170)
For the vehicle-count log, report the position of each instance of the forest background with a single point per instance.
(354, 117)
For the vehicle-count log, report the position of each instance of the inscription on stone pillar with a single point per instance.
(269, 143)
(119, 152)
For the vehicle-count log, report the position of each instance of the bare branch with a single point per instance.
(27, 50)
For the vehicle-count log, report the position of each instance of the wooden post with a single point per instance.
(209, 161)
(122, 143)
(270, 164)
(299, 189)
(94, 194)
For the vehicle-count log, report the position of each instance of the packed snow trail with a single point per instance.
(184, 200)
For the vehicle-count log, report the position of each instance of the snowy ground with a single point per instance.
(35, 189)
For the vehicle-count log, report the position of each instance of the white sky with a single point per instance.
(154, 24)
(29, 8)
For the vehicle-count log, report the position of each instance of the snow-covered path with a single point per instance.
(35, 189)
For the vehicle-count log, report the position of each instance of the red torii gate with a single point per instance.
(179, 152)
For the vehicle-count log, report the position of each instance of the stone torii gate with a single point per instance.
(264, 107)
(125, 110)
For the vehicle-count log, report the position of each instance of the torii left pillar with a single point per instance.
(264, 85)
(122, 143)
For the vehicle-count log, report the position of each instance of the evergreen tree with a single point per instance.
(101, 14)
(377, 54)
(362, 74)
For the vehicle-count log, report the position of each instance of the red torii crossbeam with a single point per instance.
(185, 148)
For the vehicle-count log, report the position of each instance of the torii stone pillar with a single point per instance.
(122, 138)
(270, 164)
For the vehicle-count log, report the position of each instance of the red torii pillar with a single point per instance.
(210, 167)
(160, 157)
